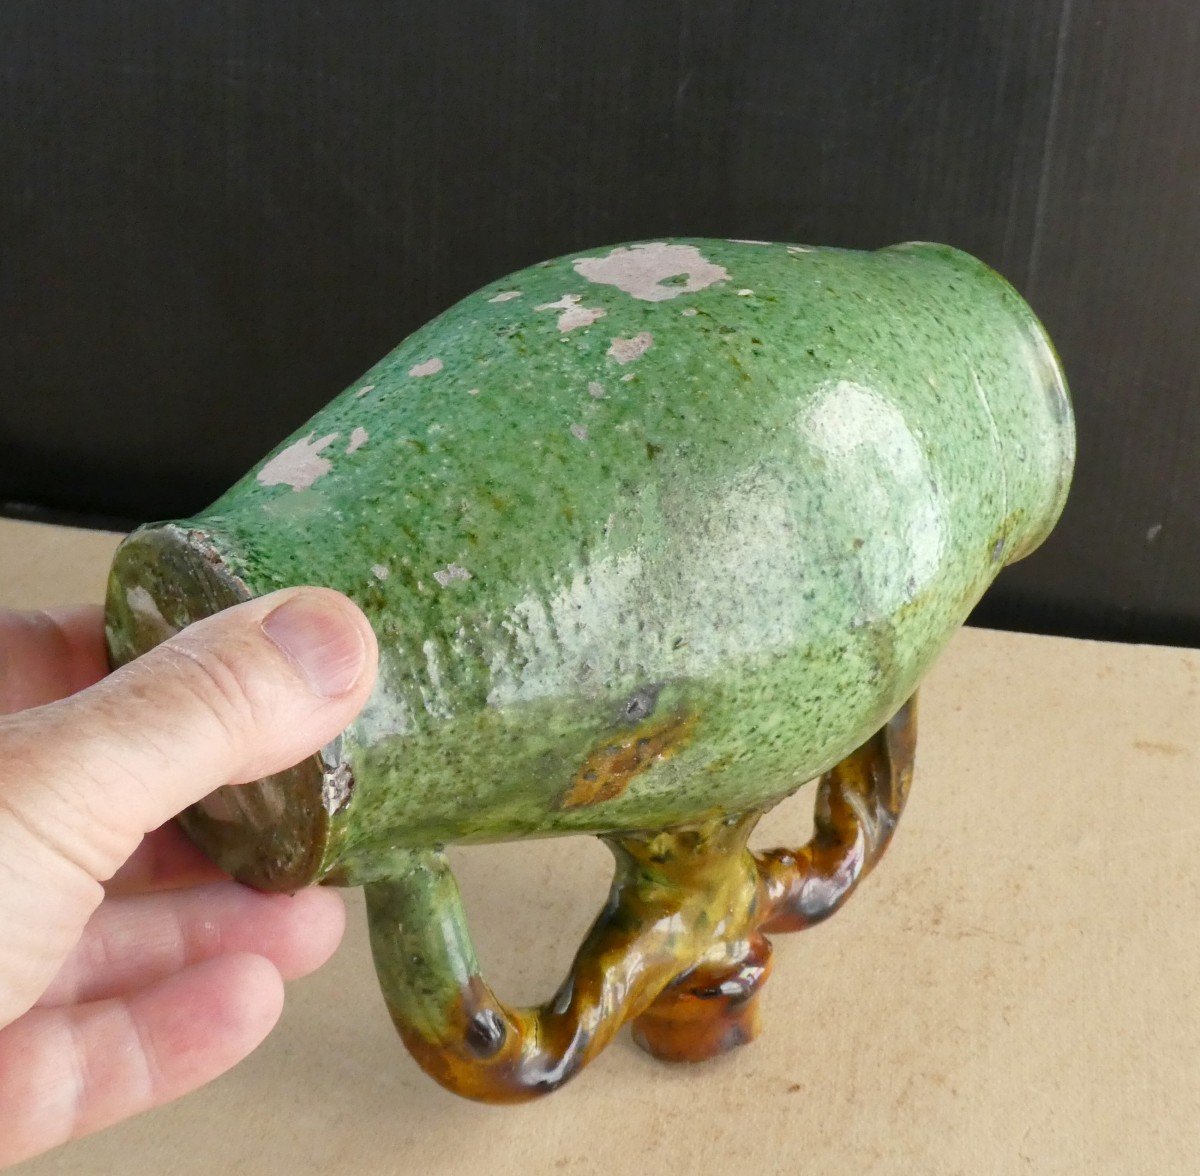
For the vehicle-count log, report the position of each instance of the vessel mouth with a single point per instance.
(269, 833)
(1050, 402)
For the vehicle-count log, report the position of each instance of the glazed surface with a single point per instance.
(656, 533)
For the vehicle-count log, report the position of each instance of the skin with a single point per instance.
(131, 970)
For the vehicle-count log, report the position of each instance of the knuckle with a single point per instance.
(48, 805)
(220, 683)
(41, 1087)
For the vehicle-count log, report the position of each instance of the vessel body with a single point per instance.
(648, 535)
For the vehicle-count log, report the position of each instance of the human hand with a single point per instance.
(131, 970)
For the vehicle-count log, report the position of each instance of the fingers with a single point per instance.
(242, 694)
(45, 656)
(249, 691)
(67, 1072)
(165, 860)
(132, 942)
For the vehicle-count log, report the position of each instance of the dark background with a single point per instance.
(213, 216)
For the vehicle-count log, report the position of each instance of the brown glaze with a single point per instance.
(707, 1011)
(859, 802)
(658, 914)
(608, 769)
(679, 948)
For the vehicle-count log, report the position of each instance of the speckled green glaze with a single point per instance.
(718, 504)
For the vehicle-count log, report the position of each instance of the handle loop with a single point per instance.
(679, 947)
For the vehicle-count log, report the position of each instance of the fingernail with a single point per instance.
(321, 640)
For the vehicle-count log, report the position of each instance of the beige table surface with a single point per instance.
(1017, 988)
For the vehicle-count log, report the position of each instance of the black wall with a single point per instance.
(213, 216)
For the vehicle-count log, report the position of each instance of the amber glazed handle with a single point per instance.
(679, 948)
(859, 802)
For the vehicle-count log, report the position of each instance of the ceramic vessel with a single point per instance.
(650, 536)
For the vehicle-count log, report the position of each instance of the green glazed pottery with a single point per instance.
(650, 536)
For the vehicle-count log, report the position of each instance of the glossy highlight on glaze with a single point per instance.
(651, 536)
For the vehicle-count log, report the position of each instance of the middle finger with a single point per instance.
(133, 941)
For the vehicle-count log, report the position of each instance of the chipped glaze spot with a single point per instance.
(358, 439)
(626, 377)
(336, 789)
(596, 390)
(745, 241)
(299, 465)
(451, 572)
(380, 572)
(564, 303)
(689, 312)
(472, 391)
(573, 315)
(579, 432)
(646, 270)
(581, 316)
(627, 350)
(506, 296)
(797, 249)
(743, 293)
(363, 391)
(430, 367)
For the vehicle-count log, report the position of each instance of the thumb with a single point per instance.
(242, 694)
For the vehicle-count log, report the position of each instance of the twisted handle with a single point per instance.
(859, 802)
(653, 929)
(679, 947)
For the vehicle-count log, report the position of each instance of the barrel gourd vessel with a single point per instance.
(650, 536)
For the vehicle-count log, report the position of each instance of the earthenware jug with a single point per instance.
(650, 536)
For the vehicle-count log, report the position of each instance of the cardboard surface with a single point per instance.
(1016, 989)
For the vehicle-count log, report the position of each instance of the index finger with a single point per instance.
(49, 654)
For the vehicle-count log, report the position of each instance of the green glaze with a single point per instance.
(650, 535)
